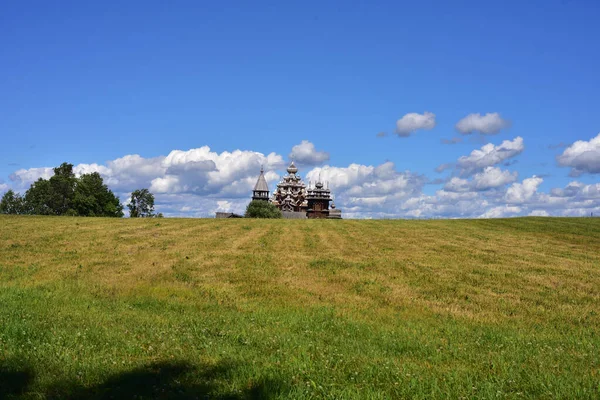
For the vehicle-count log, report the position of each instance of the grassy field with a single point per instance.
(233, 309)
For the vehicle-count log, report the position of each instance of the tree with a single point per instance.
(66, 194)
(62, 185)
(37, 198)
(12, 203)
(262, 209)
(53, 196)
(141, 204)
(92, 198)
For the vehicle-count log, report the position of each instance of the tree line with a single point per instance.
(66, 194)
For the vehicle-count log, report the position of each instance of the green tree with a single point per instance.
(12, 203)
(53, 196)
(262, 209)
(65, 194)
(92, 198)
(37, 198)
(141, 204)
(62, 193)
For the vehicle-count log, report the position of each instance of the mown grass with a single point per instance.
(199, 308)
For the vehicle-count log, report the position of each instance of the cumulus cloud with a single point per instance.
(489, 178)
(578, 189)
(523, 192)
(132, 171)
(457, 185)
(199, 182)
(501, 212)
(490, 155)
(539, 213)
(493, 177)
(582, 156)
(412, 122)
(460, 198)
(488, 124)
(197, 171)
(365, 189)
(305, 153)
(23, 178)
(205, 172)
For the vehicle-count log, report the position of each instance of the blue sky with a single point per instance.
(91, 83)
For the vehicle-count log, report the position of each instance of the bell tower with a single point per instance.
(261, 189)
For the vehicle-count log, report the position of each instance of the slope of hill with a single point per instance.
(188, 308)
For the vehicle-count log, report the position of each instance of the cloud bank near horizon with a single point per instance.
(198, 182)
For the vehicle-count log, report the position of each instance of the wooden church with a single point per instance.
(294, 199)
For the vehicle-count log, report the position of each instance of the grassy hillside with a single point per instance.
(188, 308)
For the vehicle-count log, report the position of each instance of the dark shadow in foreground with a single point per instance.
(164, 380)
(14, 381)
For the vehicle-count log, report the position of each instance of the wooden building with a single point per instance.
(290, 194)
(261, 189)
(294, 199)
(318, 199)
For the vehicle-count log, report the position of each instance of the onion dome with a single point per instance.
(292, 168)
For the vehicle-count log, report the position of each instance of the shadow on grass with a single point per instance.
(164, 380)
(14, 381)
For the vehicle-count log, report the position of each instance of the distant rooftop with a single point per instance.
(261, 183)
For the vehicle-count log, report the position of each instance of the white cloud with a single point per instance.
(489, 178)
(501, 212)
(366, 190)
(133, 172)
(223, 206)
(578, 189)
(198, 171)
(539, 213)
(457, 185)
(490, 155)
(4, 187)
(23, 178)
(306, 154)
(205, 172)
(488, 124)
(523, 192)
(582, 157)
(199, 182)
(493, 177)
(412, 122)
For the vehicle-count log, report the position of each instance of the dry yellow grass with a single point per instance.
(468, 289)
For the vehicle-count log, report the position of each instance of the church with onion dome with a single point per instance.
(295, 199)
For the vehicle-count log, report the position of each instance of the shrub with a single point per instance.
(262, 209)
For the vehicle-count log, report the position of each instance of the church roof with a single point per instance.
(261, 183)
(292, 169)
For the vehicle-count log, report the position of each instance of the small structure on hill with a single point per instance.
(294, 199)
(334, 213)
(228, 215)
(318, 201)
(261, 189)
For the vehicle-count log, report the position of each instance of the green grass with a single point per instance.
(233, 309)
